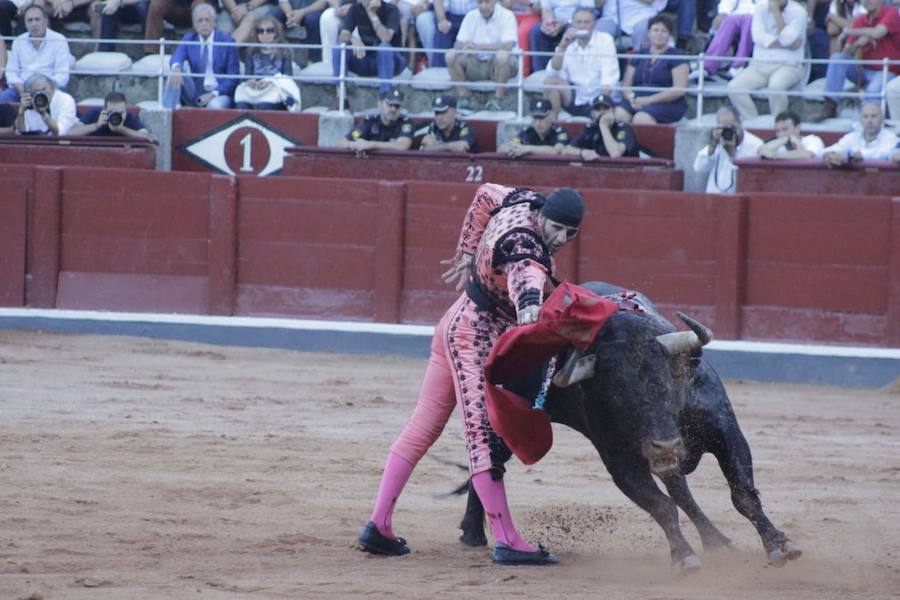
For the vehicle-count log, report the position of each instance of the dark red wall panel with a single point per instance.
(307, 247)
(13, 232)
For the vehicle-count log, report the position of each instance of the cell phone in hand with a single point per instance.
(581, 34)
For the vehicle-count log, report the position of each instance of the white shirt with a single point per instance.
(764, 33)
(723, 172)
(62, 110)
(736, 7)
(632, 12)
(813, 143)
(501, 27)
(590, 68)
(564, 9)
(51, 58)
(881, 148)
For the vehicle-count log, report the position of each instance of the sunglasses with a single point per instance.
(265, 30)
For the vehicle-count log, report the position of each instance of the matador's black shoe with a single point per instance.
(504, 555)
(372, 540)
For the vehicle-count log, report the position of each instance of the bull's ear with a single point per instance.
(577, 368)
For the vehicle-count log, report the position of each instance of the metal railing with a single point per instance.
(700, 88)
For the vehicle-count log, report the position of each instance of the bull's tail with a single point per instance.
(461, 489)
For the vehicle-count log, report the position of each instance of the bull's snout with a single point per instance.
(664, 455)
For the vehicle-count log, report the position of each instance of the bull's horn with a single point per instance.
(679, 342)
(703, 332)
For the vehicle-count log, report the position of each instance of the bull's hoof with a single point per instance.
(687, 564)
(783, 552)
(473, 539)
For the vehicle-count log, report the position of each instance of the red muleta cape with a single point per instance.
(571, 315)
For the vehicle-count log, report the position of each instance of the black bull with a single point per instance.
(654, 408)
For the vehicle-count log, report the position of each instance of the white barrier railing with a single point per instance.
(344, 76)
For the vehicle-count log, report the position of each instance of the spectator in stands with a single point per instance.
(585, 60)
(107, 15)
(438, 29)
(378, 26)
(555, 18)
(238, 17)
(604, 136)
(645, 107)
(7, 119)
(733, 23)
(205, 61)
(68, 11)
(8, 10)
(409, 11)
(302, 19)
(728, 141)
(39, 50)
(330, 26)
(44, 109)
(271, 68)
(877, 36)
(111, 120)
(482, 51)
(177, 12)
(840, 14)
(447, 133)
(389, 129)
(893, 98)
(528, 14)
(871, 142)
(779, 34)
(789, 143)
(543, 136)
(635, 19)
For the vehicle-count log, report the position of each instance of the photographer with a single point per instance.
(113, 119)
(43, 109)
(728, 141)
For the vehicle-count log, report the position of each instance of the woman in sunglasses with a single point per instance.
(270, 66)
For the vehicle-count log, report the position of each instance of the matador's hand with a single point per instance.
(458, 272)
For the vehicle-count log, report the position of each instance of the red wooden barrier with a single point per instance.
(17, 184)
(85, 151)
(818, 267)
(618, 173)
(870, 178)
(754, 267)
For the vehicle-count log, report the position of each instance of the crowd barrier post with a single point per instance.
(342, 78)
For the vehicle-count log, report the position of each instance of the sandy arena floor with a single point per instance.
(134, 468)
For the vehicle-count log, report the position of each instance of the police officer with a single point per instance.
(390, 129)
(604, 135)
(543, 136)
(447, 133)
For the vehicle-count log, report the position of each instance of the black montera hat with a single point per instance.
(564, 205)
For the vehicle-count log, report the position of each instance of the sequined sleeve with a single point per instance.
(488, 198)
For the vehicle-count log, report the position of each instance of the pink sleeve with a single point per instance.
(488, 198)
(525, 282)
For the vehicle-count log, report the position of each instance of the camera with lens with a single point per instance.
(729, 132)
(115, 119)
(40, 100)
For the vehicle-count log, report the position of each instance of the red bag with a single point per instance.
(571, 315)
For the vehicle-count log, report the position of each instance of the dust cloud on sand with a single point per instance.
(136, 468)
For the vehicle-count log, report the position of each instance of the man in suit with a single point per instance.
(206, 60)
